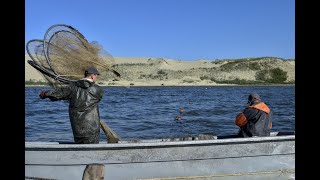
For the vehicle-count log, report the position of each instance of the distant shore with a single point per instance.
(104, 85)
(158, 72)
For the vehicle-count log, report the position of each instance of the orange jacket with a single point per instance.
(242, 118)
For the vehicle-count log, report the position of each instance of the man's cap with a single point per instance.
(92, 70)
(254, 96)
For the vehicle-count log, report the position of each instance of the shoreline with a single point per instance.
(216, 85)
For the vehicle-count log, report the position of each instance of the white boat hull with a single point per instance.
(235, 158)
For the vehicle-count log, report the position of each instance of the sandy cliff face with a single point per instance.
(160, 71)
(31, 73)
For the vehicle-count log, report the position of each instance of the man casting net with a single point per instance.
(71, 65)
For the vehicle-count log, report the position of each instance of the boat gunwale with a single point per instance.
(51, 146)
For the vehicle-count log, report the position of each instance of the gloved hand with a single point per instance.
(42, 95)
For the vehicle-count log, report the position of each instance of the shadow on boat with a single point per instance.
(194, 138)
(284, 133)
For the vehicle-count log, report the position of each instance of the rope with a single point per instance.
(223, 175)
(37, 178)
(196, 177)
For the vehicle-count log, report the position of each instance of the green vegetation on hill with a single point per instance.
(33, 83)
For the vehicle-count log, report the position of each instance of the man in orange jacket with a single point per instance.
(255, 120)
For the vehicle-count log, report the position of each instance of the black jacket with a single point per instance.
(84, 97)
(259, 121)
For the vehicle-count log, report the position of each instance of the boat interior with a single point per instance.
(191, 138)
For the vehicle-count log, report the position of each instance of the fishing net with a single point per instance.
(64, 54)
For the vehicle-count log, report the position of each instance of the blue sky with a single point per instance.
(175, 29)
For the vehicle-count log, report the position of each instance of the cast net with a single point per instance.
(64, 54)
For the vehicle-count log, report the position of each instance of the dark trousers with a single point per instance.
(93, 139)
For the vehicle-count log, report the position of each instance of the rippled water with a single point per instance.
(150, 112)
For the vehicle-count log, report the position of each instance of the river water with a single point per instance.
(150, 112)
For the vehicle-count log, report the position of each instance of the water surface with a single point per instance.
(150, 112)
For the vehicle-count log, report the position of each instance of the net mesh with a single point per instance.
(64, 54)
